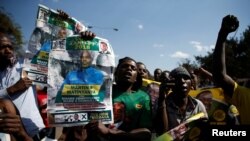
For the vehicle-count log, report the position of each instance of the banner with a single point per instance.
(78, 74)
(80, 80)
(220, 112)
(50, 27)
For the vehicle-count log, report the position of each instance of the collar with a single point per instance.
(190, 105)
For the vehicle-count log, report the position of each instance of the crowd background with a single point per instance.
(139, 81)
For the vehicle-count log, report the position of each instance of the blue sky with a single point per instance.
(159, 33)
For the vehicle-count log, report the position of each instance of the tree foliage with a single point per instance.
(8, 26)
(237, 56)
(188, 64)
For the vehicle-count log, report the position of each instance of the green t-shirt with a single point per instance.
(137, 109)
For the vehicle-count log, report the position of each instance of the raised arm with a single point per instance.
(205, 72)
(229, 24)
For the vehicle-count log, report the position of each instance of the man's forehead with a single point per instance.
(128, 62)
(179, 76)
(4, 40)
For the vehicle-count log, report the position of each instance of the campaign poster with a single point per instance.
(50, 27)
(80, 77)
(220, 111)
(182, 130)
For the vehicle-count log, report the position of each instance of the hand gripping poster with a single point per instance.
(50, 26)
(80, 80)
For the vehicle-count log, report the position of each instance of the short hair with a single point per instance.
(122, 60)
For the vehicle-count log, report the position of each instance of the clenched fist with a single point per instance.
(229, 24)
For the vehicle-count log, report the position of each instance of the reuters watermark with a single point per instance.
(228, 133)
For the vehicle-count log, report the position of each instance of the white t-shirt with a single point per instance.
(26, 102)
